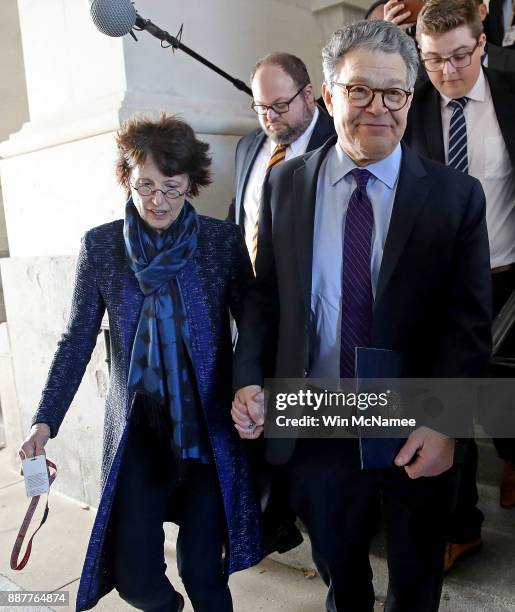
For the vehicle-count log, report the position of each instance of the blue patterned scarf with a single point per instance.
(159, 367)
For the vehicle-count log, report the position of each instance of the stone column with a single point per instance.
(332, 14)
(14, 111)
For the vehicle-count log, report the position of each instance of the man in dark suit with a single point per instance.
(463, 116)
(501, 19)
(290, 123)
(363, 243)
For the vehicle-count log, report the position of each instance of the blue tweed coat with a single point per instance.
(212, 283)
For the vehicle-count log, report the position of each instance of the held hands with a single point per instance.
(426, 453)
(248, 412)
(34, 443)
(394, 12)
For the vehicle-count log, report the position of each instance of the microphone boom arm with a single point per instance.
(151, 28)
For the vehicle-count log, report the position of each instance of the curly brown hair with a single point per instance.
(172, 145)
(441, 16)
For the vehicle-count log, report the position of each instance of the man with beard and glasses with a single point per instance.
(291, 124)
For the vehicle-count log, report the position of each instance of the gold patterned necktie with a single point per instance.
(276, 158)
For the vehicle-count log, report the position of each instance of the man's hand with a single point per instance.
(428, 453)
(248, 412)
(34, 443)
(393, 11)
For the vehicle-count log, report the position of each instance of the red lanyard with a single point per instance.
(26, 523)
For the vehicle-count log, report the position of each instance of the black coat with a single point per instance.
(494, 26)
(501, 58)
(433, 297)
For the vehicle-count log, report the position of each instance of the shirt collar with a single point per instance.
(302, 141)
(386, 170)
(477, 93)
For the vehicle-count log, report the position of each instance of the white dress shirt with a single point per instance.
(488, 161)
(254, 187)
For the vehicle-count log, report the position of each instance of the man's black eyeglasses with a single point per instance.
(278, 107)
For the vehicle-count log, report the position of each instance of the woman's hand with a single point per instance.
(34, 444)
(248, 412)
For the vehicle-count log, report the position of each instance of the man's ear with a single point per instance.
(483, 11)
(482, 42)
(328, 98)
(308, 91)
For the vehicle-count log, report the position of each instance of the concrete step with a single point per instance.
(60, 547)
(481, 582)
(498, 519)
(489, 466)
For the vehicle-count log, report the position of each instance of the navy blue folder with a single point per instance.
(374, 364)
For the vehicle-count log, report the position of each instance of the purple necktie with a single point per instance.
(356, 282)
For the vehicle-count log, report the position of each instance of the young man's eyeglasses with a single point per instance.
(362, 95)
(458, 60)
(278, 107)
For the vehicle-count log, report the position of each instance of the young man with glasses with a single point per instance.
(463, 116)
(291, 124)
(363, 243)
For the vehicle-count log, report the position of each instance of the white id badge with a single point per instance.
(35, 473)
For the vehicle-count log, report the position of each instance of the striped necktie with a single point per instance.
(276, 158)
(458, 156)
(356, 281)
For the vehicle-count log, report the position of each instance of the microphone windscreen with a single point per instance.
(113, 17)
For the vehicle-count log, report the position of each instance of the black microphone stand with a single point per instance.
(175, 43)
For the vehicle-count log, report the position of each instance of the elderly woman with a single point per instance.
(168, 279)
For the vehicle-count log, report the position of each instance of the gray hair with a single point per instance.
(375, 36)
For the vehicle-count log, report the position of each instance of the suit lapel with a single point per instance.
(432, 117)
(504, 105)
(410, 198)
(304, 200)
(252, 152)
(324, 129)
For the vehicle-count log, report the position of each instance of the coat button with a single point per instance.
(305, 373)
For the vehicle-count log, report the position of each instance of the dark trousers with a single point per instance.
(145, 496)
(466, 520)
(340, 505)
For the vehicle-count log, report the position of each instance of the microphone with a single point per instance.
(119, 17)
(113, 17)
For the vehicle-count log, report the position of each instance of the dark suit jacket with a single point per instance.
(248, 148)
(494, 26)
(501, 58)
(424, 132)
(433, 298)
